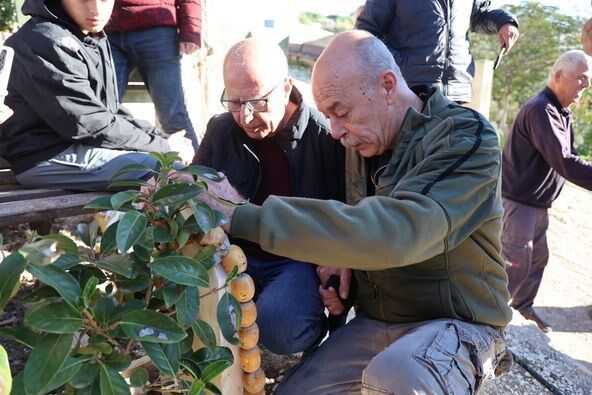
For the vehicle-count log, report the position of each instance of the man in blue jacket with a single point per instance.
(68, 129)
(538, 157)
(429, 38)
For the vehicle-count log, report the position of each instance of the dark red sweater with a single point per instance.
(131, 15)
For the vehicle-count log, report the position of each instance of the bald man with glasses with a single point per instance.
(270, 142)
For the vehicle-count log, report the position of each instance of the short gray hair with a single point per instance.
(569, 60)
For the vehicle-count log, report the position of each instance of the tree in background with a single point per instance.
(544, 35)
(7, 15)
(332, 23)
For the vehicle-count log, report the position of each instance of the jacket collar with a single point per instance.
(555, 101)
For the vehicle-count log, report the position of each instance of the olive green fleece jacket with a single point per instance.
(428, 244)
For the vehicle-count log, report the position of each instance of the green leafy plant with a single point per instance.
(129, 293)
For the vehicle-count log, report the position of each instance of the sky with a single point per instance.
(346, 7)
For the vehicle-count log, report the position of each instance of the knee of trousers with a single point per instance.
(398, 375)
(287, 338)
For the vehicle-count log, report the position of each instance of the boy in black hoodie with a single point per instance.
(68, 129)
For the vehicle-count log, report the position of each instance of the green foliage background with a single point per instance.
(544, 35)
(7, 15)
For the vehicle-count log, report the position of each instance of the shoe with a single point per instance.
(532, 316)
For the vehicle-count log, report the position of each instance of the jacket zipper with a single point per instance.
(258, 173)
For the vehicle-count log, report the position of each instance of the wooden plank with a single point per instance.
(13, 213)
(25, 194)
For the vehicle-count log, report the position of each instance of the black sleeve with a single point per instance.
(55, 84)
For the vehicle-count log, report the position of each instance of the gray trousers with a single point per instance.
(525, 251)
(443, 356)
(85, 168)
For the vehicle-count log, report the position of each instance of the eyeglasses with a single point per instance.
(253, 105)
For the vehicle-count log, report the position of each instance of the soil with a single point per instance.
(549, 362)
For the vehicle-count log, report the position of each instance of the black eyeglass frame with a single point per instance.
(248, 102)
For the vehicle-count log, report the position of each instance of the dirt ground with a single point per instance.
(561, 359)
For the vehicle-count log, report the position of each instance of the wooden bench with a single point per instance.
(37, 206)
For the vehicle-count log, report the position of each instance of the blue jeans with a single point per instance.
(155, 53)
(290, 313)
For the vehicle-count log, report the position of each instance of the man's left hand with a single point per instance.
(508, 34)
(227, 193)
(187, 48)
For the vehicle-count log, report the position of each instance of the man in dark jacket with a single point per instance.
(272, 143)
(68, 129)
(537, 158)
(151, 36)
(429, 39)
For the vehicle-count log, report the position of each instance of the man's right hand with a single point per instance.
(328, 294)
(181, 144)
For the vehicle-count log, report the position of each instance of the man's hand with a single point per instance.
(187, 48)
(508, 34)
(181, 144)
(220, 197)
(328, 293)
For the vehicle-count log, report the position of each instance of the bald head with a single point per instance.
(587, 37)
(256, 59)
(358, 85)
(355, 52)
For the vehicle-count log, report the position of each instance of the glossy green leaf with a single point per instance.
(118, 361)
(111, 382)
(68, 370)
(213, 389)
(152, 326)
(161, 235)
(103, 309)
(21, 334)
(100, 203)
(94, 388)
(175, 193)
(85, 376)
(66, 261)
(187, 308)
(205, 333)
(131, 227)
(63, 282)
(164, 356)
(90, 288)
(182, 270)
(140, 283)
(56, 317)
(18, 384)
(120, 264)
(128, 184)
(139, 377)
(10, 273)
(203, 172)
(5, 376)
(172, 292)
(45, 361)
(126, 308)
(197, 386)
(108, 242)
(183, 238)
(41, 294)
(214, 368)
(132, 168)
(64, 243)
(173, 226)
(204, 215)
(161, 158)
(229, 316)
(205, 256)
(123, 197)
